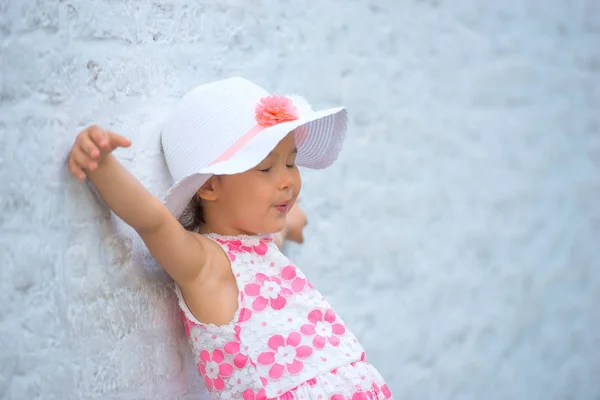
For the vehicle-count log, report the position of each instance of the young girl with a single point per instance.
(257, 327)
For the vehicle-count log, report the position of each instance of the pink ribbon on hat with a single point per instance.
(270, 110)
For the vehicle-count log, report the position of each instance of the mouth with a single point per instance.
(283, 207)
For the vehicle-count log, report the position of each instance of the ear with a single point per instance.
(208, 190)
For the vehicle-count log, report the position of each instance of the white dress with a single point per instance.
(284, 342)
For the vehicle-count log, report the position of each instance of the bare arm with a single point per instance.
(181, 253)
(125, 195)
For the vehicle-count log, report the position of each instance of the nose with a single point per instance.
(286, 180)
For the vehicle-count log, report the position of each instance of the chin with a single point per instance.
(271, 231)
(264, 230)
(267, 227)
(275, 228)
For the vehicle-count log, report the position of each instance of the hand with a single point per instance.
(295, 223)
(90, 148)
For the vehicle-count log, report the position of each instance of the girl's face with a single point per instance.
(255, 201)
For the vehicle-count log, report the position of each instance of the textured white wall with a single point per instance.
(459, 234)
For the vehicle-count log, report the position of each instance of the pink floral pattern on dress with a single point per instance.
(187, 324)
(356, 396)
(213, 369)
(385, 390)
(256, 357)
(284, 355)
(268, 291)
(250, 394)
(256, 245)
(233, 348)
(362, 394)
(244, 315)
(290, 274)
(324, 327)
(231, 247)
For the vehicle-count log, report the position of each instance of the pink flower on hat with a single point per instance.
(272, 110)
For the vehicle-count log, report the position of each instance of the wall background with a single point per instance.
(458, 235)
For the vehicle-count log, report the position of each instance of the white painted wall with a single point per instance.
(458, 235)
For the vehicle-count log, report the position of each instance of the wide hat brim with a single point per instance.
(319, 137)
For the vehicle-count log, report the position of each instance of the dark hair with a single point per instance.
(192, 217)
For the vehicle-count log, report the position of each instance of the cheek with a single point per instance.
(255, 199)
(236, 199)
(297, 182)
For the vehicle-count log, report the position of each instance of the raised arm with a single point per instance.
(181, 253)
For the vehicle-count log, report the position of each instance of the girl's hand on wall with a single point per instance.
(90, 148)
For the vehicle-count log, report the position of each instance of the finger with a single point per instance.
(75, 170)
(84, 161)
(99, 137)
(89, 147)
(118, 140)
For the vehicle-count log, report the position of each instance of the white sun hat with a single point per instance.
(229, 126)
